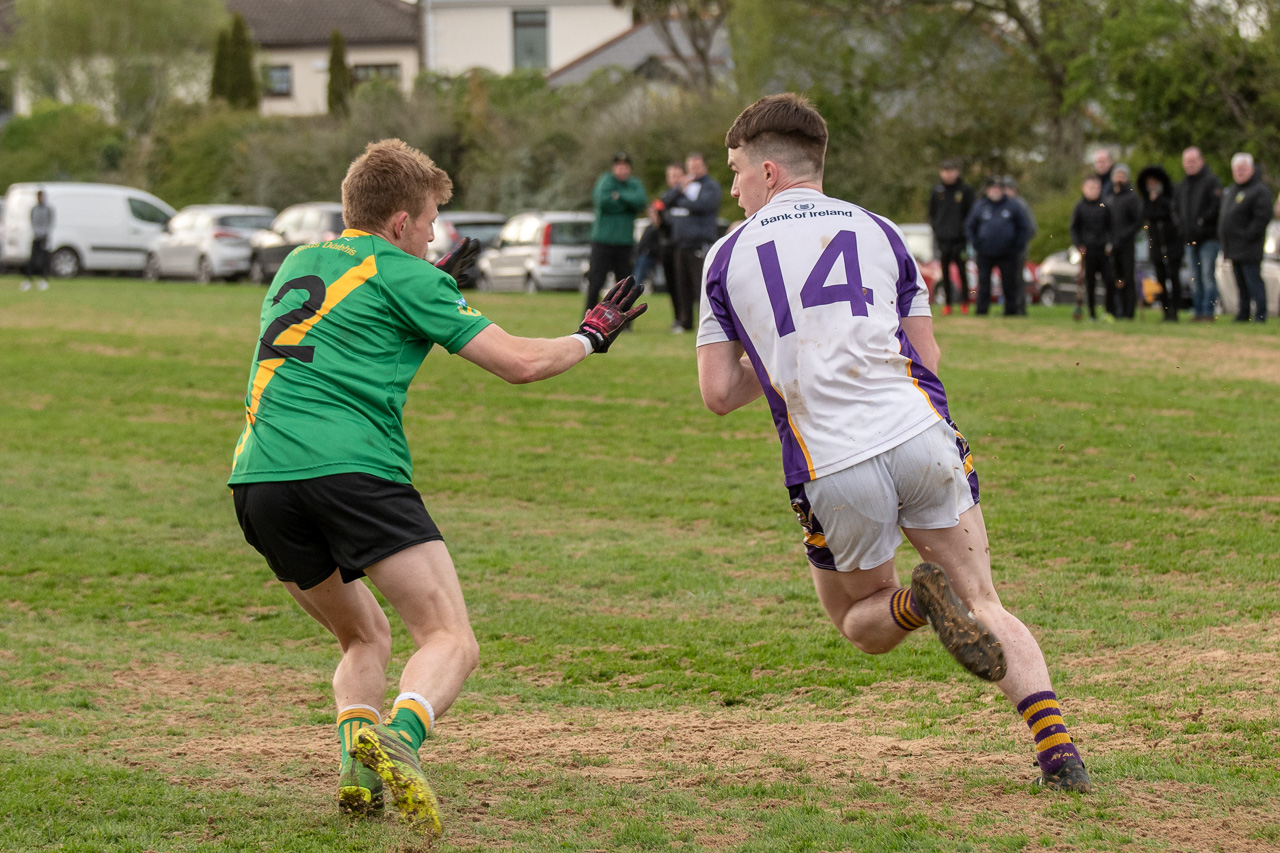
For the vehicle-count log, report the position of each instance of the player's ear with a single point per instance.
(399, 220)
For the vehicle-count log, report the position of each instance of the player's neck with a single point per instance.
(794, 185)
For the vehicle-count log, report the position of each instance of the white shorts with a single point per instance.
(852, 518)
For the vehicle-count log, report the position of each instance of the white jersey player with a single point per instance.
(817, 305)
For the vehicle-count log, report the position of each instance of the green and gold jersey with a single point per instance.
(345, 326)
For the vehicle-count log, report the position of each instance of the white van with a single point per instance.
(96, 227)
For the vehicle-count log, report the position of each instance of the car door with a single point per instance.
(143, 226)
(506, 265)
(166, 248)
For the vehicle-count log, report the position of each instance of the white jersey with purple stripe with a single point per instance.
(815, 289)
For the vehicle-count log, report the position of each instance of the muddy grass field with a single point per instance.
(656, 672)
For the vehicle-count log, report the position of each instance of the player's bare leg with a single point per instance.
(351, 613)
(421, 583)
(964, 554)
(858, 603)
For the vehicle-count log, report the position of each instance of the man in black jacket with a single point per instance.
(1242, 224)
(1091, 234)
(997, 228)
(1164, 242)
(1126, 222)
(667, 246)
(1196, 202)
(949, 206)
(693, 230)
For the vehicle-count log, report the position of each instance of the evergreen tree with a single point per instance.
(340, 82)
(242, 82)
(221, 57)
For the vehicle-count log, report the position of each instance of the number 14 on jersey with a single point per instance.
(816, 291)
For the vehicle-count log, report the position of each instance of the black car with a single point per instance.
(299, 225)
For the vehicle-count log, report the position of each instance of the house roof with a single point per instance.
(639, 49)
(309, 23)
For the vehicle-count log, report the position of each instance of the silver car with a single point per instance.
(453, 226)
(543, 250)
(206, 242)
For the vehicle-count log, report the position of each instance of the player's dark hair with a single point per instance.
(391, 176)
(785, 128)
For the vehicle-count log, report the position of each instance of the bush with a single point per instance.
(59, 142)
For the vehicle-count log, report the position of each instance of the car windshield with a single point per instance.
(571, 233)
(245, 220)
(920, 245)
(482, 231)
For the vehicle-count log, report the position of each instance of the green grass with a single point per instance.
(656, 671)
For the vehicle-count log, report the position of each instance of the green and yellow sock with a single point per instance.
(411, 717)
(352, 719)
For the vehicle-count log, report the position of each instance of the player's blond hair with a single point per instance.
(785, 128)
(391, 176)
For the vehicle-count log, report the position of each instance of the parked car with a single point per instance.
(1229, 294)
(453, 226)
(542, 250)
(921, 245)
(1059, 273)
(297, 225)
(96, 227)
(206, 242)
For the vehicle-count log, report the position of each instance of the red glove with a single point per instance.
(604, 322)
(460, 262)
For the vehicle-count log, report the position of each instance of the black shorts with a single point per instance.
(308, 528)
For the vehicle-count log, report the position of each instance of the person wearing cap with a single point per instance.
(997, 229)
(1126, 222)
(1010, 187)
(617, 200)
(949, 206)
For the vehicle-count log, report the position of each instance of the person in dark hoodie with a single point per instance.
(1164, 242)
(1242, 227)
(997, 229)
(1091, 234)
(1126, 222)
(949, 206)
(1196, 202)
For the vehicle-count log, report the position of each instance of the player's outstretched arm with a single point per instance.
(726, 377)
(919, 331)
(522, 360)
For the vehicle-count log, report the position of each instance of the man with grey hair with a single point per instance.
(1102, 166)
(1196, 200)
(1242, 227)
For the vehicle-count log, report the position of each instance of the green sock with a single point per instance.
(350, 721)
(411, 718)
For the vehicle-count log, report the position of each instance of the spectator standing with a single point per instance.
(1010, 187)
(667, 247)
(1102, 167)
(648, 250)
(618, 199)
(1091, 234)
(1164, 243)
(1242, 224)
(1196, 203)
(693, 229)
(949, 206)
(997, 229)
(38, 262)
(1126, 222)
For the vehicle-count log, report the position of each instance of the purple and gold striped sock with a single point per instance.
(902, 606)
(1053, 744)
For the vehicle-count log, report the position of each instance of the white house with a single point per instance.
(505, 35)
(293, 47)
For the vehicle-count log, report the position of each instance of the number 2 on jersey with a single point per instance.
(313, 286)
(816, 291)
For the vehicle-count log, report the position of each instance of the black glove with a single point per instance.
(603, 322)
(461, 261)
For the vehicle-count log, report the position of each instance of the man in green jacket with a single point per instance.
(617, 200)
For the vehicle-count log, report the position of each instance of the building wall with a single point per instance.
(310, 74)
(464, 35)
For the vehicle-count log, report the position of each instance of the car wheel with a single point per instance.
(257, 274)
(151, 270)
(65, 263)
(1048, 298)
(204, 270)
(530, 284)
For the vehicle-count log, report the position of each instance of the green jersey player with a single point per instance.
(322, 474)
